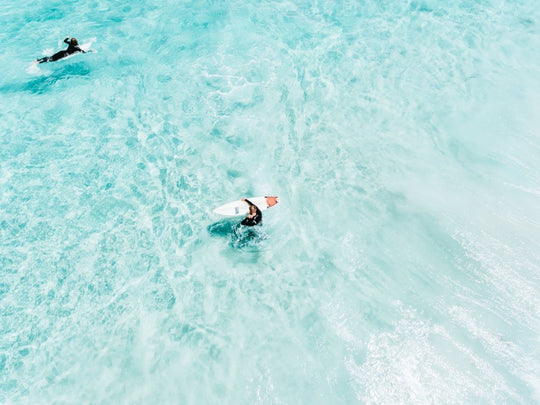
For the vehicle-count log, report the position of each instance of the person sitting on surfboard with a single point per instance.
(255, 215)
(73, 47)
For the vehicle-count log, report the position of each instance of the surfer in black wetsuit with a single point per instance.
(254, 217)
(73, 47)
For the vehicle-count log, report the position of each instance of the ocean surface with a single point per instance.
(401, 266)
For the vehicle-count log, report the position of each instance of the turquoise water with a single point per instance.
(400, 266)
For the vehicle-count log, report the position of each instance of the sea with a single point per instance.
(400, 266)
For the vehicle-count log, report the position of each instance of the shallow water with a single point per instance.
(400, 266)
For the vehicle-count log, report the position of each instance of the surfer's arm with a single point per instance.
(250, 203)
(257, 208)
(66, 41)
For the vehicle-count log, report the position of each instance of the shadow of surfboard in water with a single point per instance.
(46, 83)
(239, 236)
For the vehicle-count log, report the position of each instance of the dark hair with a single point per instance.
(74, 41)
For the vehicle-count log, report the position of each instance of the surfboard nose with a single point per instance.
(271, 201)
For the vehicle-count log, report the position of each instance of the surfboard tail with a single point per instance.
(271, 201)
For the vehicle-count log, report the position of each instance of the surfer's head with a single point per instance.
(252, 209)
(74, 41)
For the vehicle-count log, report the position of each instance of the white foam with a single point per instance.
(33, 69)
(419, 362)
(505, 271)
(519, 363)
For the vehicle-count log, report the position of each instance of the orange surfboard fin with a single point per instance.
(271, 201)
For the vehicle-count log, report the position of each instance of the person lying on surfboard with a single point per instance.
(255, 215)
(73, 47)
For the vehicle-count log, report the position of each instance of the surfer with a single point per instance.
(73, 47)
(254, 217)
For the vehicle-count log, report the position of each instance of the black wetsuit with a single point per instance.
(256, 219)
(71, 49)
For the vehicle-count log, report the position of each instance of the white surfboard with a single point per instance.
(239, 207)
(85, 47)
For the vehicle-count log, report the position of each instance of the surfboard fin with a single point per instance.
(271, 201)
